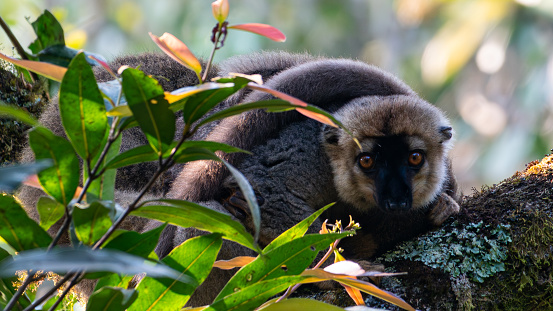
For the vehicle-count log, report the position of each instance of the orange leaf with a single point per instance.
(179, 94)
(295, 101)
(48, 70)
(262, 29)
(324, 229)
(235, 262)
(104, 65)
(355, 294)
(220, 10)
(178, 51)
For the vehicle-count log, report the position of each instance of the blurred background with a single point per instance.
(487, 63)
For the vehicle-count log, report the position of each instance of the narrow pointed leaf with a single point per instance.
(11, 177)
(146, 100)
(139, 244)
(178, 51)
(296, 231)
(49, 211)
(50, 71)
(13, 112)
(92, 222)
(64, 260)
(321, 275)
(300, 304)
(82, 109)
(250, 197)
(103, 187)
(182, 93)
(17, 229)
(295, 256)
(262, 29)
(62, 179)
(253, 296)
(135, 155)
(189, 214)
(192, 258)
(235, 262)
(112, 299)
(197, 105)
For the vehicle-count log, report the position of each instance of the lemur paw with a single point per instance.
(444, 208)
(237, 205)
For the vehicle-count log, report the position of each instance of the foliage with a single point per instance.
(93, 120)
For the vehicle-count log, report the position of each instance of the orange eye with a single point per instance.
(416, 158)
(366, 162)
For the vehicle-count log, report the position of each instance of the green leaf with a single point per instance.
(199, 104)
(132, 156)
(62, 179)
(301, 304)
(253, 296)
(273, 105)
(12, 176)
(62, 55)
(103, 187)
(112, 299)
(13, 112)
(202, 150)
(49, 32)
(139, 244)
(296, 231)
(17, 229)
(82, 109)
(49, 211)
(295, 256)
(188, 214)
(146, 99)
(113, 280)
(250, 197)
(193, 258)
(91, 222)
(63, 260)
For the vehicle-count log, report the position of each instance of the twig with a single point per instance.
(16, 44)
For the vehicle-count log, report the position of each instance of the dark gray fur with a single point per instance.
(288, 168)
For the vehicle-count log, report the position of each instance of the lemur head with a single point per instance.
(403, 161)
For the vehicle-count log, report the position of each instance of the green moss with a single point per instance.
(476, 251)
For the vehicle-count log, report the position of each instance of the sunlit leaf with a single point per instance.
(111, 298)
(296, 231)
(288, 259)
(253, 296)
(113, 280)
(120, 111)
(321, 275)
(49, 211)
(235, 262)
(91, 222)
(64, 260)
(178, 51)
(50, 71)
(188, 214)
(12, 176)
(193, 258)
(17, 229)
(62, 179)
(146, 99)
(188, 91)
(82, 109)
(300, 304)
(48, 30)
(262, 29)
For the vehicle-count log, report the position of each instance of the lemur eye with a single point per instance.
(366, 161)
(416, 158)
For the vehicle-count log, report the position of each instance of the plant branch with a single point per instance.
(49, 293)
(16, 44)
(73, 282)
(30, 278)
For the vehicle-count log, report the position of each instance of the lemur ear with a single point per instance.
(331, 134)
(446, 132)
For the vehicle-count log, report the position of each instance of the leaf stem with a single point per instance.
(218, 31)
